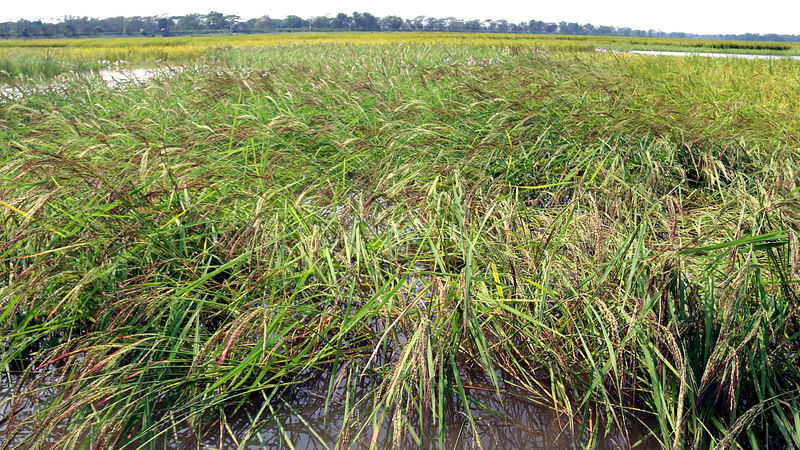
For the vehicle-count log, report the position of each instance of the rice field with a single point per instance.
(50, 57)
(417, 230)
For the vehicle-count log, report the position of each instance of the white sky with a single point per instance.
(696, 16)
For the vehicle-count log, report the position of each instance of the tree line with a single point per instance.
(217, 23)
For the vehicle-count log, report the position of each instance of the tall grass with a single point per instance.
(615, 237)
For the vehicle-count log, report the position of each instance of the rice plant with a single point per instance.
(417, 234)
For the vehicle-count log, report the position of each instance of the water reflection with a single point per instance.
(511, 422)
(307, 419)
(111, 78)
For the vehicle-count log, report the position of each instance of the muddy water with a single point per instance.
(508, 422)
(303, 420)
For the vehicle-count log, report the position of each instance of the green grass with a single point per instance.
(614, 236)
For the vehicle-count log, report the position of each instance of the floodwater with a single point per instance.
(303, 420)
(508, 422)
(112, 78)
(703, 54)
(116, 78)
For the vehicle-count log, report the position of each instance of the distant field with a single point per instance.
(52, 57)
(418, 232)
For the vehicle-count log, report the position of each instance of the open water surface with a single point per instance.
(306, 419)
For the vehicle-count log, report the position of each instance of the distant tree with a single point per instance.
(136, 25)
(293, 21)
(417, 23)
(231, 21)
(189, 23)
(569, 28)
(365, 21)
(247, 26)
(115, 25)
(320, 23)
(536, 26)
(473, 25)
(432, 24)
(370, 22)
(455, 25)
(263, 24)
(500, 26)
(391, 23)
(605, 30)
(215, 21)
(38, 28)
(164, 25)
(341, 21)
